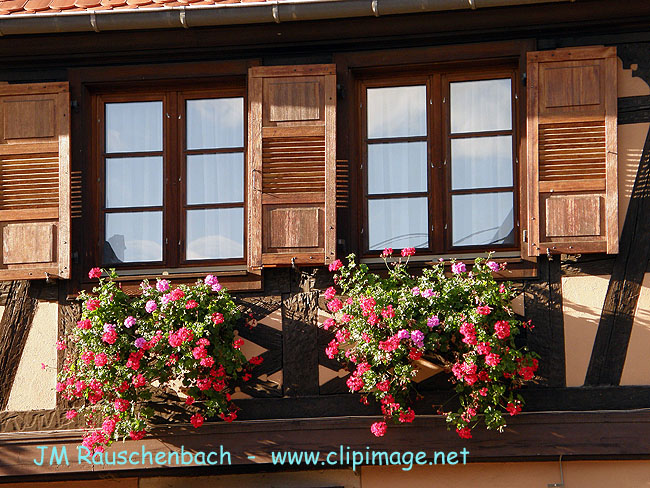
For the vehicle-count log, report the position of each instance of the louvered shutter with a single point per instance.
(34, 181)
(291, 165)
(572, 159)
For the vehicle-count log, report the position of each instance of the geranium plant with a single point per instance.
(388, 328)
(124, 347)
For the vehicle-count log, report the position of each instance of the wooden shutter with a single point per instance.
(291, 165)
(34, 181)
(572, 159)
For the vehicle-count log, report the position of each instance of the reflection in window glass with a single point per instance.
(133, 237)
(215, 178)
(397, 167)
(481, 162)
(478, 106)
(215, 123)
(134, 182)
(215, 233)
(134, 127)
(397, 223)
(482, 219)
(397, 111)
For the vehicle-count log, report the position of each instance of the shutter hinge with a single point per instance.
(523, 79)
(74, 104)
(525, 235)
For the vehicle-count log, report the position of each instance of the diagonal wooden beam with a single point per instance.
(14, 328)
(617, 317)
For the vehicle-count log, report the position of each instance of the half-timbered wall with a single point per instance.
(592, 317)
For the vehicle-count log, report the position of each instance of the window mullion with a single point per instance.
(437, 184)
(173, 161)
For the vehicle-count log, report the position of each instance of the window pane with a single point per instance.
(134, 182)
(480, 106)
(397, 111)
(397, 167)
(215, 178)
(133, 237)
(398, 223)
(134, 127)
(215, 122)
(482, 219)
(215, 233)
(481, 162)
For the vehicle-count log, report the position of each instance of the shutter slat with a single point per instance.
(572, 151)
(34, 181)
(292, 199)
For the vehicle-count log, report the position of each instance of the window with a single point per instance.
(171, 173)
(438, 162)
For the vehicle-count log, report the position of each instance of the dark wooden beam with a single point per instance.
(250, 444)
(14, 328)
(633, 110)
(617, 317)
(543, 305)
(300, 343)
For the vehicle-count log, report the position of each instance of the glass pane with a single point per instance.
(481, 162)
(482, 219)
(215, 178)
(215, 122)
(397, 167)
(215, 233)
(134, 126)
(398, 223)
(133, 237)
(134, 182)
(480, 106)
(397, 111)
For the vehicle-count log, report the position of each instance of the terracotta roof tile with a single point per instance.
(36, 7)
(12, 5)
(62, 4)
(137, 3)
(88, 3)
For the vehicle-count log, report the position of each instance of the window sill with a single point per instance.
(233, 278)
(518, 268)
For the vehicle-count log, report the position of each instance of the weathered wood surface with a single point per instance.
(300, 344)
(543, 305)
(14, 328)
(527, 437)
(617, 317)
(633, 110)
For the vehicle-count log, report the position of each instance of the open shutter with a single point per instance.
(291, 165)
(34, 181)
(573, 197)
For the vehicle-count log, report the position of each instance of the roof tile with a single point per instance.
(88, 3)
(35, 7)
(62, 4)
(12, 5)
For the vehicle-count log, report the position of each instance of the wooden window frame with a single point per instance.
(437, 80)
(174, 205)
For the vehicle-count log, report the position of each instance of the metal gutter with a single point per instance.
(234, 14)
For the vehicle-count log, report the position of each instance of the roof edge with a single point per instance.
(234, 14)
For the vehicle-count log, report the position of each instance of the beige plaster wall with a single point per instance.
(583, 296)
(631, 138)
(34, 387)
(582, 303)
(296, 479)
(577, 474)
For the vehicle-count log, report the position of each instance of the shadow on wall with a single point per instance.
(637, 368)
